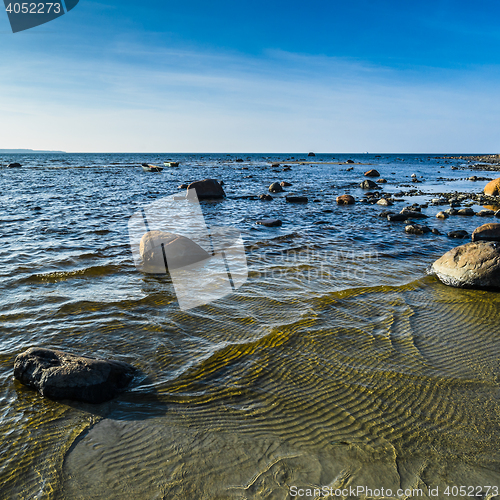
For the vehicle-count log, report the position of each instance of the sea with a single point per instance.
(338, 367)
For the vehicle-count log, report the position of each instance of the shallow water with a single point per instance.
(338, 363)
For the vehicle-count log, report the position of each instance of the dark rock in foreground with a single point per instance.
(473, 265)
(206, 189)
(60, 375)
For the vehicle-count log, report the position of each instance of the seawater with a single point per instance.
(338, 363)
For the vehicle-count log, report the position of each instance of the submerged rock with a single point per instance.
(60, 375)
(285, 183)
(487, 232)
(345, 199)
(270, 222)
(297, 199)
(473, 265)
(266, 197)
(206, 189)
(14, 165)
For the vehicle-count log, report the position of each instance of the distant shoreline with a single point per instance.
(27, 151)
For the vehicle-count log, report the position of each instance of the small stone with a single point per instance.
(460, 234)
(345, 199)
(275, 165)
(367, 184)
(285, 183)
(349, 169)
(435, 231)
(416, 229)
(239, 160)
(466, 211)
(270, 222)
(372, 173)
(381, 181)
(384, 202)
(442, 215)
(349, 161)
(396, 217)
(182, 186)
(275, 187)
(412, 214)
(485, 213)
(266, 197)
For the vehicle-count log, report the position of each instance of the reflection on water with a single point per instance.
(337, 364)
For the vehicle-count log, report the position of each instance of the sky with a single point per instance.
(255, 76)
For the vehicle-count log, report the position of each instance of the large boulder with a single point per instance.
(162, 251)
(60, 375)
(473, 265)
(487, 232)
(206, 189)
(492, 188)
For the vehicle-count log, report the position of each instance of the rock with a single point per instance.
(412, 214)
(414, 176)
(285, 183)
(451, 211)
(487, 232)
(460, 234)
(385, 213)
(270, 222)
(311, 154)
(485, 213)
(297, 199)
(396, 217)
(384, 202)
(266, 197)
(239, 160)
(275, 187)
(14, 165)
(350, 161)
(349, 169)
(60, 375)
(473, 178)
(275, 165)
(417, 229)
(497, 213)
(372, 173)
(206, 189)
(466, 211)
(439, 201)
(442, 215)
(473, 265)
(345, 199)
(182, 186)
(286, 168)
(435, 231)
(381, 181)
(157, 246)
(368, 184)
(492, 188)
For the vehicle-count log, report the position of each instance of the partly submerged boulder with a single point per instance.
(60, 375)
(487, 232)
(275, 187)
(206, 189)
(368, 185)
(372, 173)
(473, 265)
(161, 251)
(492, 188)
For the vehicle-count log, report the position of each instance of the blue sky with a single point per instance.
(255, 76)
